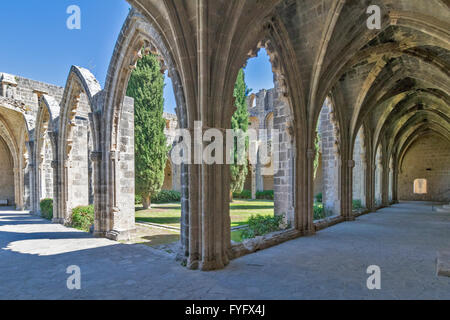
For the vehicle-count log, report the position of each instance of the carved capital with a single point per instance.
(96, 156)
(55, 164)
(114, 155)
(311, 153)
(351, 163)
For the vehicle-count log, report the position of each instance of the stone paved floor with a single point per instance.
(403, 240)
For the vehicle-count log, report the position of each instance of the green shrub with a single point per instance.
(261, 225)
(166, 196)
(47, 208)
(357, 204)
(319, 212)
(83, 218)
(265, 195)
(245, 194)
(319, 197)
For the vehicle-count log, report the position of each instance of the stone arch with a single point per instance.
(138, 37)
(11, 144)
(77, 122)
(283, 119)
(46, 155)
(330, 146)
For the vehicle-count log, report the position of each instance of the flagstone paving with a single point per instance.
(403, 240)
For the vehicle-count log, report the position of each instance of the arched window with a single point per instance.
(420, 186)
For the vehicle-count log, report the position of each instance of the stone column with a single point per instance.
(209, 219)
(57, 217)
(347, 193)
(362, 191)
(17, 189)
(307, 223)
(96, 158)
(253, 175)
(385, 184)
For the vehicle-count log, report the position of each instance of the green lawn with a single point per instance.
(169, 214)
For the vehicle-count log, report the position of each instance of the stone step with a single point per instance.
(443, 264)
(442, 210)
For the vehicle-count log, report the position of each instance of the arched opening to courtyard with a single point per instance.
(269, 183)
(327, 202)
(7, 196)
(359, 183)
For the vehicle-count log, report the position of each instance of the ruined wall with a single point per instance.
(78, 165)
(359, 174)
(428, 158)
(330, 160)
(378, 179)
(6, 174)
(124, 167)
(284, 164)
(46, 170)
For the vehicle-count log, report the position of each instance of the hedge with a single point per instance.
(165, 196)
(260, 195)
(264, 195)
(47, 208)
(245, 194)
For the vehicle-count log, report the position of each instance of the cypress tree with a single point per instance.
(146, 86)
(240, 120)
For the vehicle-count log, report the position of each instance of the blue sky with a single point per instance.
(37, 44)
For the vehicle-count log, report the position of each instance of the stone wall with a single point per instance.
(428, 158)
(46, 170)
(78, 183)
(330, 160)
(359, 171)
(378, 179)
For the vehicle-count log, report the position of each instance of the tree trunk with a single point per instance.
(231, 196)
(146, 202)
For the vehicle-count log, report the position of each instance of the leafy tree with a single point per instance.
(240, 121)
(146, 86)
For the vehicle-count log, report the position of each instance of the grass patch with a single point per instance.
(240, 211)
(236, 236)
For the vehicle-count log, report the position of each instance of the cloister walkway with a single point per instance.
(402, 240)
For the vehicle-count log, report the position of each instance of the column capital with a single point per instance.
(351, 163)
(310, 153)
(55, 164)
(96, 156)
(114, 155)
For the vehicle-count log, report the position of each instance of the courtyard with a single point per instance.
(402, 240)
(167, 216)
